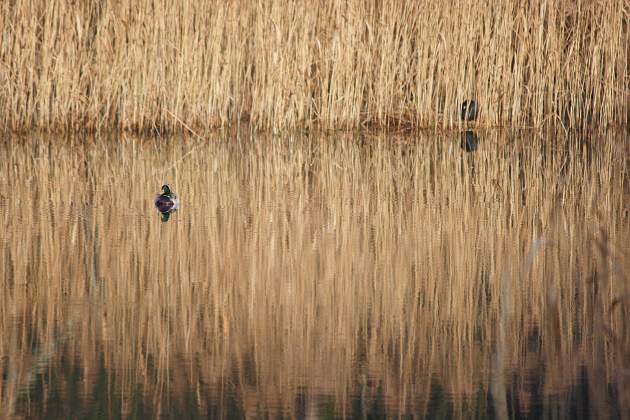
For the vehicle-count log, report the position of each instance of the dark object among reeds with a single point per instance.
(469, 110)
(469, 141)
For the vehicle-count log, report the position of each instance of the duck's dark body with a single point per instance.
(469, 110)
(166, 203)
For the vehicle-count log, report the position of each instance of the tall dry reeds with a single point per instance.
(132, 65)
(314, 276)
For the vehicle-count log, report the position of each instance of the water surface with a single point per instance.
(316, 276)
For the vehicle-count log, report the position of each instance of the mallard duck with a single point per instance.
(166, 202)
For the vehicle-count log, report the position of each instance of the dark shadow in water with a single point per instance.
(469, 142)
(63, 388)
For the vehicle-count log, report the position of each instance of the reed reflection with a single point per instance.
(312, 277)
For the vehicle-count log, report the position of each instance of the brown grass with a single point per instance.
(127, 64)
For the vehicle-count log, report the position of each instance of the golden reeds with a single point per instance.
(126, 64)
(302, 274)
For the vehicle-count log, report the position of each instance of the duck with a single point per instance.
(166, 202)
(469, 110)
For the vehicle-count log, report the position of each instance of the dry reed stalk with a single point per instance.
(127, 65)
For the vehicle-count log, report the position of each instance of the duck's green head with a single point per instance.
(166, 190)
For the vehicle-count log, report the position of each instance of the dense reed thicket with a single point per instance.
(134, 64)
(302, 274)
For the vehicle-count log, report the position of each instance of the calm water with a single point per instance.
(340, 276)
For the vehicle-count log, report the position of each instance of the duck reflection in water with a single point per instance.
(166, 202)
(469, 141)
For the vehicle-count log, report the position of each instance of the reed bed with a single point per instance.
(314, 276)
(143, 65)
